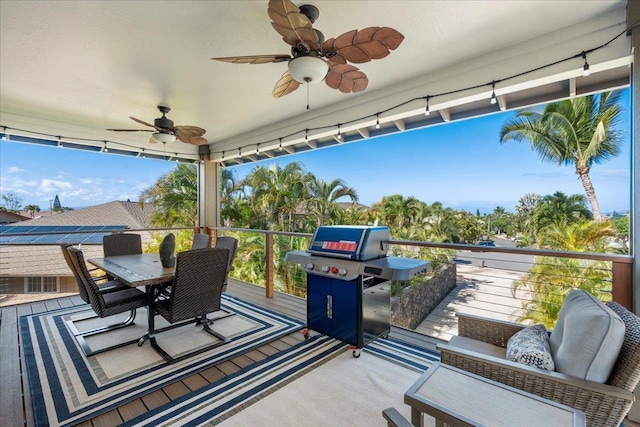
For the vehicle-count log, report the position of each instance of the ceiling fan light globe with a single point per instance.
(165, 138)
(308, 69)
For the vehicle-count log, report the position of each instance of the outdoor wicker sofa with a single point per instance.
(605, 404)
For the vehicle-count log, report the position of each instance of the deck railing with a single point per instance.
(260, 260)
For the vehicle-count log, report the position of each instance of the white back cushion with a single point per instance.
(587, 337)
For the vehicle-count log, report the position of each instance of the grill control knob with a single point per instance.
(334, 270)
(325, 268)
(309, 266)
(342, 272)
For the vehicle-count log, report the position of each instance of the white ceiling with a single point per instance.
(77, 68)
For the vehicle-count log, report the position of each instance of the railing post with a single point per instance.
(211, 232)
(621, 290)
(268, 259)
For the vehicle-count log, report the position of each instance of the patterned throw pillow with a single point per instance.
(530, 346)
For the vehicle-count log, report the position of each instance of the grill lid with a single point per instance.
(359, 243)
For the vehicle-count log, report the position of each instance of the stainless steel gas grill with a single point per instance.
(348, 282)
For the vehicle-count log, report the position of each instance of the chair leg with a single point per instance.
(170, 359)
(151, 334)
(127, 322)
(80, 336)
(205, 326)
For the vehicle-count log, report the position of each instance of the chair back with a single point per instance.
(626, 371)
(197, 285)
(95, 296)
(201, 241)
(231, 244)
(122, 244)
(82, 290)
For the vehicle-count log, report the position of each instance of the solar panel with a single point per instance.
(38, 234)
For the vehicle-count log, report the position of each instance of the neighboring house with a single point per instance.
(32, 266)
(7, 217)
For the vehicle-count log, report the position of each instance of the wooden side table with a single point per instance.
(460, 398)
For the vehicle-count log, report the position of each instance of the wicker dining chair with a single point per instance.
(106, 304)
(200, 241)
(604, 404)
(196, 291)
(121, 244)
(104, 286)
(231, 244)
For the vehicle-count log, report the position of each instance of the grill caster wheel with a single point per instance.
(305, 333)
(385, 336)
(356, 353)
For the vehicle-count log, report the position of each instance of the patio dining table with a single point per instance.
(137, 270)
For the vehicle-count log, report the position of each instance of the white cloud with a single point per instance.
(14, 169)
(50, 185)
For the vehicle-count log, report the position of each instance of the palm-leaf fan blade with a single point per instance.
(285, 85)
(142, 122)
(291, 24)
(190, 134)
(364, 45)
(254, 59)
(346, 78)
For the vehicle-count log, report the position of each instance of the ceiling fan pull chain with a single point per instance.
(308, 80)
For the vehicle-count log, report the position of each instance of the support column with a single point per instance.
(633, 15)
(208, 190)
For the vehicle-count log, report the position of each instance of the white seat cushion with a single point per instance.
(587, 337)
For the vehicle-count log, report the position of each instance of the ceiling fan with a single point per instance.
(313, 58)
(166, 133)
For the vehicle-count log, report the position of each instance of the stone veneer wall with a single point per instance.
(415, 303)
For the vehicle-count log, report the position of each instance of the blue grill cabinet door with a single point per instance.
(318, 290)
(345, 311)
(334, 308)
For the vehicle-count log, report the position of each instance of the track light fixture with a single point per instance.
(106, 149)
(339, 132)
(280, 146)
(426, 108)
(239, 151)
(306, 135)
(176, 157)
(493, 93)
(378, 121)
(585, 67)
(257, 148)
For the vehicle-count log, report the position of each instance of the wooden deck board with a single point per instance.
(10, 397)
(132, 409)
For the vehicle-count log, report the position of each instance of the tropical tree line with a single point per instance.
(579, 131)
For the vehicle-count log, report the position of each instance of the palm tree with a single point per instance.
(558, 209)
(550, 279)
(276, 193)
(322, 204)
(175, 196)
(578, 131)
(32, 209)
(525, 211)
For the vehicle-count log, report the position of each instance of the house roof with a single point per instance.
(7, 217)
(131, 214)
(47, 260)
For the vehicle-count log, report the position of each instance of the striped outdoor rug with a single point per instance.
(67, 387)
(315, 383)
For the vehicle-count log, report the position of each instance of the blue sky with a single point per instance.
(461, 164)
